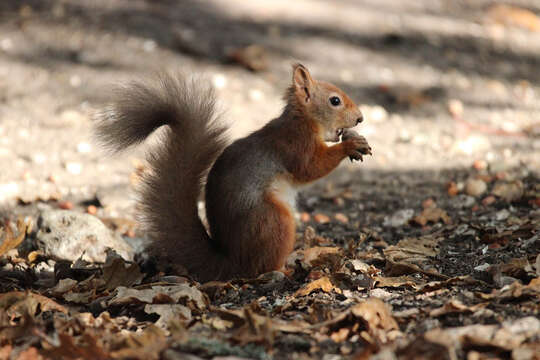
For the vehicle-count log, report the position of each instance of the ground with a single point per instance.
(441, 223)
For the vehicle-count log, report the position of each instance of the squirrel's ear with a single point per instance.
(302, 81)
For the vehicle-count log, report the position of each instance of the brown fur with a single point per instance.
(251, 185)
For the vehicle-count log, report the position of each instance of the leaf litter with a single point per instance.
(454, 281)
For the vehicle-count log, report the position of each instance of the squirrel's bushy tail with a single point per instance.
(178, 163)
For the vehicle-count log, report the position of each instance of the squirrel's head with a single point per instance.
(327, 105)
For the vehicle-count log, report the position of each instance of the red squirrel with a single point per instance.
(252, 184)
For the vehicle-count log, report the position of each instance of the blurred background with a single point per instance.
(442, 84)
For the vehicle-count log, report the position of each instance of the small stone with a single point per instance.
(65, 205)
(84, 148)
(502, 215)
(321, 218)
(483, 267)
(488, 200)
(455, 108)
(475, 187)
(399, 218)
(429, 203)
(74, 168)
(52, 178)
(509, 191)
(305, 217)
(341, 218)
(452, 188)
(480, 164)
(91, 209)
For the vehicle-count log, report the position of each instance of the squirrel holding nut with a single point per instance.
(251, 184)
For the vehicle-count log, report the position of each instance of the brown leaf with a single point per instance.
(319, 255)
(412, 255)
(147, 344)
(323, 284)
(11, 241)
(81, 347)
(432, 214)
(396, 281)
(181, 293)
(455, 306)
(507, 336)
(116, 272)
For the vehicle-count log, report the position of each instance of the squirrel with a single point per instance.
(251, 184)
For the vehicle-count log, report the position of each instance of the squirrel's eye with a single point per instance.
(335, 101)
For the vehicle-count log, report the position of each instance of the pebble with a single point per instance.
(65, 205)
(480, 164)
(321, 218)
(488, 200)
(475, 187)
(305, 217)
(91, 209)
(429, 203)
(73, 168)
(399, 218)
(502, 215)
(84, 148)
(455, 108)
(342, 218)
(452, 189)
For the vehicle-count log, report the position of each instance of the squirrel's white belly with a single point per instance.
(285, 192)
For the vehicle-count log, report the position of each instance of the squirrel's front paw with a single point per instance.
(356, 145)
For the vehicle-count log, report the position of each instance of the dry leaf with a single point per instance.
(456, 306)
(323, 284)
(319, 255)
(117, 272)
(432, 214)
(11, 241)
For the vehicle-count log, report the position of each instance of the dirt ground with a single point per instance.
(450, 92)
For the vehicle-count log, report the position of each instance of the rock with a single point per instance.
(508, 191)
(321, 218)
(342, 218)
(69, 235)
(462, 201)
(475, 187)
(399, 218)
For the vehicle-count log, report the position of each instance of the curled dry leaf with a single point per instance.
(323, 284)
(320, 255)
(411, 255)
(456, 306)
(432, 214)
(181, 293)
(10, 241)
(117, 272)
(507, 336)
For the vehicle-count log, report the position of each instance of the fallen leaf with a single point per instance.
(432, 214)
(323, 284)
(117, 272)
(11, 241)
(455, 306)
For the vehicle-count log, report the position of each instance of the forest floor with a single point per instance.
(428, 249)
